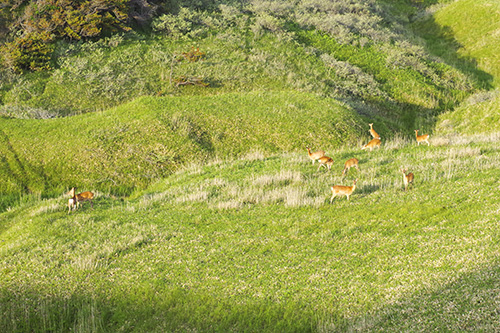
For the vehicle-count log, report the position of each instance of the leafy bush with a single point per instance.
(75, 19)
(43, 22)
(30, 52)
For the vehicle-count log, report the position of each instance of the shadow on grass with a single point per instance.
(158, 310)
(368, 189)
(470, 303)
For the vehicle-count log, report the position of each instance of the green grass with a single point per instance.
(209, 215)
(474, 25)
(479, 113)
(386, 75)
(125, 148)
(252, 244)
(472, 29)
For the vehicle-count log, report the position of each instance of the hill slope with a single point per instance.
(127, 147)
(253, 244)
(472, 28)
(224, 224)
(357, 51)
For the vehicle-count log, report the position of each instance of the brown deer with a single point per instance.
(325, 161)
(422, 138)
(374, 143)
(407, 178)
(316, 155)
(343, 190)
(353, 162)
(74, 201)
(373, 133)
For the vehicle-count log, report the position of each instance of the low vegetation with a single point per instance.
(190, 127)
(125, 148)
(254, 244)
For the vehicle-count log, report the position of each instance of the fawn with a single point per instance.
(422, 138)
(407, 178)
(74, 201)
(373, 133)
(374, 143)
(325, 161)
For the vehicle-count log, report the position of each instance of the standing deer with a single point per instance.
(343, 190)
(422, 138)
(353, 162)
(316, 155)
(374, 143)
(373, 133)
(325, 161)
(74, 201)
(407, 178)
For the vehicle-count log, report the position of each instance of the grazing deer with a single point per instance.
(407, 178)
(325, 161)
(422, 138)
(80, 197)
(316, 155)
(343, 190)
(374, 143)
(353, 162)
(373, 133)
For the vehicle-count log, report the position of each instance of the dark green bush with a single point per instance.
(30, 52)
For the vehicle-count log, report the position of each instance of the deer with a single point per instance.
(353, 162)
(374, 143)
(74, 201)
(422, 138)
(316, 155)
(343, 190)
(407, 178)
(71, 204)
(373, 133)
(325, 161)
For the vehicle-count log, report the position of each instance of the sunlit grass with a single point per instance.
(253, 243)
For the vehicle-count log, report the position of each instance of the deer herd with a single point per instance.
(353, 162)
(75, 200)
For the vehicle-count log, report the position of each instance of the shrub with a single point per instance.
(43, 22)
(75, 19)
(187, 23)
(29, 52)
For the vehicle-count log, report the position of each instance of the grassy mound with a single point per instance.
(359, 52)
(471, 28)
(128, 147)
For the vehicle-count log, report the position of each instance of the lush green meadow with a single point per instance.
(209, 215)
(253, 244)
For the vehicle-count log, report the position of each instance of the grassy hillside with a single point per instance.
(127, 147)
(374, 67)
(253, 245)
(471, 28)
(479, 113)
(209, 216)
(356, 52)
(474, 25)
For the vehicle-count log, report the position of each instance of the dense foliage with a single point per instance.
(364, 53)
(43, 22)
